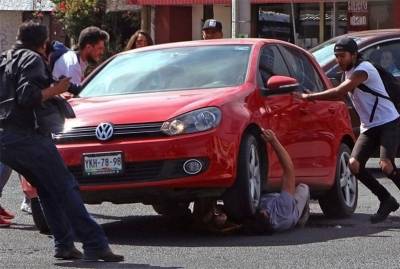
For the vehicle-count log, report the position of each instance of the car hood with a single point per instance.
(145, 107)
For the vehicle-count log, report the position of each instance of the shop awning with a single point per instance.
(287, 1)
(218, 2)
(179, 2)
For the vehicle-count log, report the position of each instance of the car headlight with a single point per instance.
(195, 121)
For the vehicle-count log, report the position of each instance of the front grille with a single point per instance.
(120, 130)
(137, 172)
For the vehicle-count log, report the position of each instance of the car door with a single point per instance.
(314, 148)
(280, 111)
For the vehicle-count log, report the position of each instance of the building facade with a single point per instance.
(297, 21)
(14, 12)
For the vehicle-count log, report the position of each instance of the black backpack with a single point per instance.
(7, 85)
(392, 87)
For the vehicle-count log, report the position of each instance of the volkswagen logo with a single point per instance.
(104, 131)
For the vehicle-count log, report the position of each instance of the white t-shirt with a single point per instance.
(364, 102)
(68, 65)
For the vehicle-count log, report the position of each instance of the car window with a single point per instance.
(323, 53)
(386, 55)
(335, 73)
(271, 63)
(180, 68)
(303, 70)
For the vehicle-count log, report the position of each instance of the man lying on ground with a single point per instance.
(277, 211)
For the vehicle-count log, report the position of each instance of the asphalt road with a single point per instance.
(151, 241)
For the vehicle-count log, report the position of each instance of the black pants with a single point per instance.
(385, 138)
(36, 157)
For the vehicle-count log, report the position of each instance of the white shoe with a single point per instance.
(26, 206)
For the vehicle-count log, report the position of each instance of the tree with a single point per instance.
(76, 15)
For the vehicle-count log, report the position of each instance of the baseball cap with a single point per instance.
(212, 24)
(346, 44)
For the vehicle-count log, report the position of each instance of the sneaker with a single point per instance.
(105, 255)
(305, 215)
(5, 214)
(4, 222)
(385, 208)
(26, 206)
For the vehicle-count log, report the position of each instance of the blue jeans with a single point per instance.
(36, 157)
(5, 173)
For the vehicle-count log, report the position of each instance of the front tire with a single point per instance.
(243, 198)
(341, 200)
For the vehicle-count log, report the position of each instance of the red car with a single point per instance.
(169, 124)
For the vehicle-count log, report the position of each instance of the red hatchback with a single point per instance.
(169, 124)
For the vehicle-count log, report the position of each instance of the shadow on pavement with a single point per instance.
(22, 227)
(82, 264)
(162, 231)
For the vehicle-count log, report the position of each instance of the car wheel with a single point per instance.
(341, 200)
(38, 216)
(172, 209)
(243, 198)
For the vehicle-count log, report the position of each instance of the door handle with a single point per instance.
(332, 110)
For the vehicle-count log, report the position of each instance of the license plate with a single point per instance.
(103, 163)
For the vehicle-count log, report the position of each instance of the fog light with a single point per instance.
(192, 167)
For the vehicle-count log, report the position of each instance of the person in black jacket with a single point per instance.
(35, 156)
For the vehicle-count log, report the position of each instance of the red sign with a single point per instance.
(357, 15)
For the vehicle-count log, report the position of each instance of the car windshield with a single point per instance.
(324, 52)
(171, 69)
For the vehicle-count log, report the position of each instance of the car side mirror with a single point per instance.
(280, 85)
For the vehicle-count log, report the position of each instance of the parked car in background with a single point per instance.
(381, 47)
(170, 124)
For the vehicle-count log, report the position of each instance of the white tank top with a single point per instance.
(364, 102)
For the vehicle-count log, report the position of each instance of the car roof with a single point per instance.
(367, 37)
(370, 33)
(226, 41)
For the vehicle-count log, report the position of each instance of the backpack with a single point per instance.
(392, 87)
(57, 50)
(7, 85)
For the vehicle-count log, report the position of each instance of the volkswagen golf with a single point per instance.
(170, 124)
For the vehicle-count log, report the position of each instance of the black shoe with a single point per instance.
(104, 255)
(68, 254)
(385, 208)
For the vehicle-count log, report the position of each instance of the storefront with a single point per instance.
(299, 21)
(296, 21)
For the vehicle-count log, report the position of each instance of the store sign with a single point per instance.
(357, 15)
(358, 6)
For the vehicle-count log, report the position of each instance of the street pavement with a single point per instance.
(151, 241)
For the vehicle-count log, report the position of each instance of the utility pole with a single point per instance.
(235, 18)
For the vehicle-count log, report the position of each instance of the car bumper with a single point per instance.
(157, 162)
